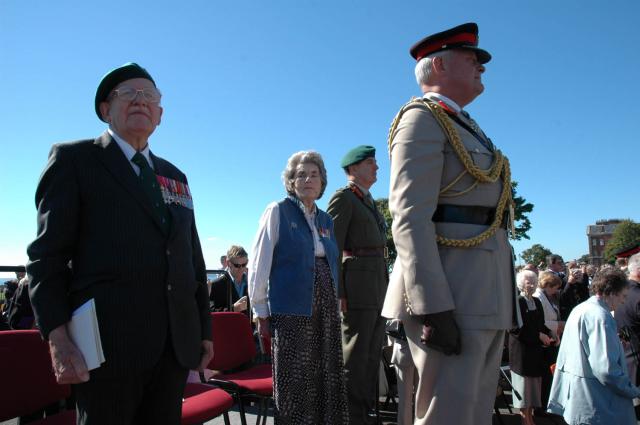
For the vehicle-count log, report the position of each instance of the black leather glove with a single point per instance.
(440, 332)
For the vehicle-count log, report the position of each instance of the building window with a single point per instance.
(601, 242)
(594, 242)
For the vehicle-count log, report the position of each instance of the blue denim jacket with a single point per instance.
(293, 266)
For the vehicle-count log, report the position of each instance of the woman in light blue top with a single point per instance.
(591, 384)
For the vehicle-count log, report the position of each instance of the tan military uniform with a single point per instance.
(476, 282)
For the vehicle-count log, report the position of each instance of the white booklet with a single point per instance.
(85, 334)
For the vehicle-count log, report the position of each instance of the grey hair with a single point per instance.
(633, 265)
(425, 66)
(303, 157)
(520, 277)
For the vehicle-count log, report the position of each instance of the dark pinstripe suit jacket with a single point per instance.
(147, 286)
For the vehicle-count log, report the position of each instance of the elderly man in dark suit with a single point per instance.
(116, 225)
(361, 235)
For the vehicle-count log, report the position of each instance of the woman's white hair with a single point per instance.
(521, 276)
(303, 157)
(425, 66)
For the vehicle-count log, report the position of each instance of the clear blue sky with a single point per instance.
(247, 83)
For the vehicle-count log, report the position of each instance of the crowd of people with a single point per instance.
(116, 227)
(577, 344)
(15, 306)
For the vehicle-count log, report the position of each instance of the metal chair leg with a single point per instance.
(267, 401)
(260, 409)
(243, 417)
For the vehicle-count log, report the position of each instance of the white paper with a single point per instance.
(85, 334)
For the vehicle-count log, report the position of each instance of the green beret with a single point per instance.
(114, 77)
(358, 154)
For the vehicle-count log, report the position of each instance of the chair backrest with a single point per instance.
(233, 343)
(26, 375)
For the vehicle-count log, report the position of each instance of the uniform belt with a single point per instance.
(366, 252)
(466, 214)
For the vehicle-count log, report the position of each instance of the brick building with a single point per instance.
(598, 235)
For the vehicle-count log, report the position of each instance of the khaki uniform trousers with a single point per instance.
(460, 389)
(407, 380)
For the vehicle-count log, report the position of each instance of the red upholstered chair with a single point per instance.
(28, 385)
(234, 352)
(203, 403)
(28, 382)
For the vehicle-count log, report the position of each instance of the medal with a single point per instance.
(175, 192)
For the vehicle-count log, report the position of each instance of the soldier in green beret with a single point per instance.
(361, 235)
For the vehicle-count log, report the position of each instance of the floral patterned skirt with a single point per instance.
(308, 376)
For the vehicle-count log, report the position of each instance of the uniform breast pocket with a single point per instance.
(481, 158)
(472, 277)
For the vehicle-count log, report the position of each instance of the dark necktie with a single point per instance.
(486, 142)
(379, 218)
(150, 185)
(370, 201)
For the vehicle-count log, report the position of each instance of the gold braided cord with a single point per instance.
(503, 202)
(483, 176)
(447, 188)
(396, 121)
(499, 167)
(444, 194)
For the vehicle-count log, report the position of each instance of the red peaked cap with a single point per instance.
(463, 36)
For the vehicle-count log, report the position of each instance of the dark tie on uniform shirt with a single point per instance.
(149, 183)
(482, 138)
(370, 201)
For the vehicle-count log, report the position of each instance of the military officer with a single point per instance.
(361, 235)
(450, 196)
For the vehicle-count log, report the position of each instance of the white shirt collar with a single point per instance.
(438, 96)
(128, 150)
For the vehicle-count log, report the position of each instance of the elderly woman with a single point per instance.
(525, 348)
(549, 285)
(591, 384)
(293, 275)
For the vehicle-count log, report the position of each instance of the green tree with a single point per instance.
(584, 259)
(626, 234)
(536, 254)
(521, 209)
(383, 207)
